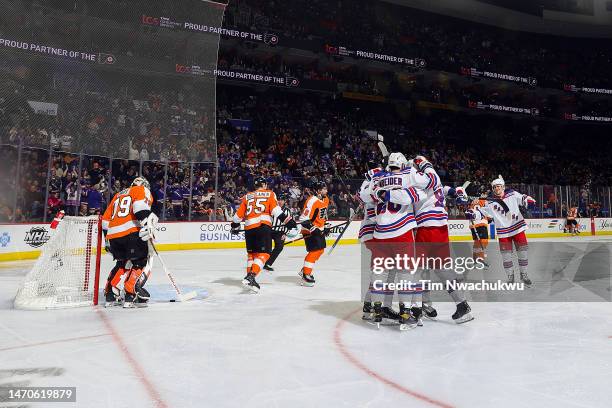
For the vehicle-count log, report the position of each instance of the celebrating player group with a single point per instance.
(404, 215)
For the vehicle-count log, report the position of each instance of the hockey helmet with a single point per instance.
(499, 181)
(141, 181)
(259, 181)
(318, 185)
(397, 160)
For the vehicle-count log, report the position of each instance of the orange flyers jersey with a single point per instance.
(476, 205)
(572, 213)
(257, 208)
(315, 210)
(119, 219)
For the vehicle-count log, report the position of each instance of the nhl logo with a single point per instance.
(5, 238)
(36, 237)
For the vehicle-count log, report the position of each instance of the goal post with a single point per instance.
(67, 272)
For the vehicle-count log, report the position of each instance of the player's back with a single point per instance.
(121, 211)
(256, 208)
(393, 219)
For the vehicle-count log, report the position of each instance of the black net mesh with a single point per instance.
(118, 79)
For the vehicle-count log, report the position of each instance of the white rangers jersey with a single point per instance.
(395, 216)
(510, 221)
(366, 230)
(431, 211)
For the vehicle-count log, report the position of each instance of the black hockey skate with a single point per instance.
(525, 279)
(307, 280)
(407, 321)
(511, 278)
(417, 313)
(113, 298)
(250, 283)
(367, 311)
(389, 315)
(463, 315)
(268, 268)
(429, 312)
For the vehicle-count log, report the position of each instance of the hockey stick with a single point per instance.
(379, 141)
(348, 222)
(302, 237)
(181, 297)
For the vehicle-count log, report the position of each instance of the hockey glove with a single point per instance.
(148, 226)
(383, 196)
(235, 228)
(107, 246)
(528, 201)
(460, 192)
(291, 224)
(470, 215)
(309, 226)
(327, 229)
(422, 164)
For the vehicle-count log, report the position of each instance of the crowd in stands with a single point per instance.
(293, 139)
(111, 114)
(140, 121)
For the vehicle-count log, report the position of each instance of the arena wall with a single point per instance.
(24, 241)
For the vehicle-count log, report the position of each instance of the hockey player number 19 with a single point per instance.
(260, 205)
(123, 206)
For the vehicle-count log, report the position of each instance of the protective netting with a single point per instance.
(114, 79)
(64, 274)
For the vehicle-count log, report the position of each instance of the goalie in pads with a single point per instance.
(128, 225)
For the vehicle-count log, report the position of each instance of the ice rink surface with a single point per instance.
(293, 346)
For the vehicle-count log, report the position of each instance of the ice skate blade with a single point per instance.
(420, 323)
(366, 316)
(465, 318)
(129, 305)
(374, 323)
(390, 322)
(307, 284)
(113, 304)
(407, 326)
(252, 289)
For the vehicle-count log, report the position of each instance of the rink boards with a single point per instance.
(24, 241)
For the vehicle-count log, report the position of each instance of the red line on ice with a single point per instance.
(353, 360)
(140, 373)
(44, 343)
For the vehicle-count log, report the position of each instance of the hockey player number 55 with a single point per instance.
(123, 206)
(260, 205)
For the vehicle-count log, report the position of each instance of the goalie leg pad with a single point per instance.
(137, 276)
(115, 276)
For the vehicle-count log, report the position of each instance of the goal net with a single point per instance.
(67, 271)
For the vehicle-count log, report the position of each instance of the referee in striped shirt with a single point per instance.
(279, 231)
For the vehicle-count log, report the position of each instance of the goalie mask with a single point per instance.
(397, 160)
(141, 181)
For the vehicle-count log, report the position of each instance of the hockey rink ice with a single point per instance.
(293, 346)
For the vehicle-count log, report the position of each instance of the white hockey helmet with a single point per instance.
(397, 160)
(141, 181)
(499, 181)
